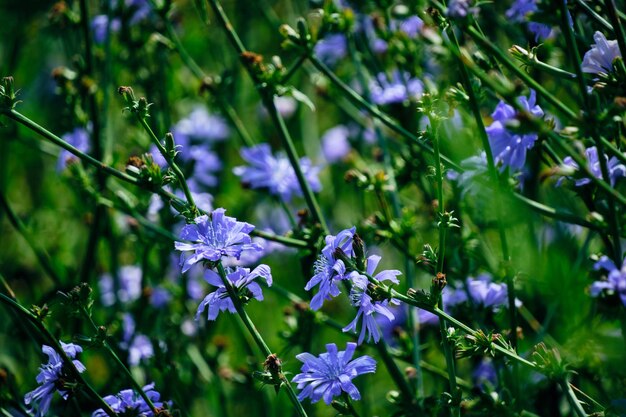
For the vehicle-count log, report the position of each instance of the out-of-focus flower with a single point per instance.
(411, 26)
(458, 9)
(275, 173)
(615, 168)
(138, 345)
(327, 375)
(616, 279)
(520, 11)
(214, 237)
(52, 378)
(335, 143)
(244, 284)
(361, 298)
(487, 293)
(399, 88)
(201, 127)
(129, 286)
(99, 25)
(160, 297)
(485, 374)
(78, 138)
(510, 148)
(599, 59)
(329, 270)
(128, 402)
(332, 48)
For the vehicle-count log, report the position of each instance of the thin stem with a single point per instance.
(573, 400)
(592, 13)
(361, 102)
(119, 362)
(612, 11)
(258, 339)
(170, 161)
(349, 405)
(40, 253)
(38, 324)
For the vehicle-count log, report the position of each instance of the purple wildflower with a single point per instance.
(616, 279)
(599, 59)
(275, 172)
(396, 90)
(367, 306)
(327, 375)
(411, 26)
(243, 282)
(160, 297)
(205, 164)
(487, 293)
(129, 286)
(214, 237)
(138, 345)
(51, 377)
(128, 402)
(201, 127)
(328, 270)
(335, 143)
(485, 374)
(510, 148)
(332, 48)
(615, 168)
(78, 138)
(521, 10)
(459, 9)
(99, 26)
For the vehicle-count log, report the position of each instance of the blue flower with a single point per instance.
(332, 48)
(519, 12)
(128, 288)
(328, 270)
(214, 237)
(615, 168)
(128, 402)
(99, 25)
(78, 138)
(51, 378)
(138, 345)
(201, 127)
(244, 284)
(411, 26)
(510, 148)
(485, 374)
(401, 87)
(616, 280)
(335, 143)
(487, 293)
(599, 59)
(275, 172)
(327, 375)
(458, 9)
(367, 307)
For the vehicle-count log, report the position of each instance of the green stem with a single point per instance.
(360, 102)
(170, 161)
(573, 400)
(40, 253)
(348, 402)
(592, 13)
(258, 339)
(612, 11)
(36, 322)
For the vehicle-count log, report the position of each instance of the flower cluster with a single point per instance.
(509, 148)
(128, 286)
(52, 377)
(398, 88)
(128, 402)
(275, 173)
(327, 375)
(520, 10)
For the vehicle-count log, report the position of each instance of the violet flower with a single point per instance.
(214, 237)
(327, 375)
(599, 59)
(128, 402)
(615, 282)
(401, 87)
(244, 284)
(615, 168)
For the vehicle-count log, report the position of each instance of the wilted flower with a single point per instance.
(361, 298)
(51, 378)
(128, 402)
(244, 284)
(214, 237)
(328, 270)
(599, 59)
(78, 138)
(327, 375)
(275, 172)
(616, 280)
(399, 88)
(510, 148)
(615, 168)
